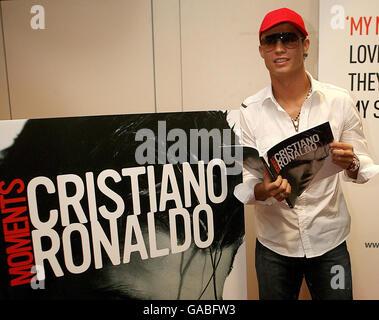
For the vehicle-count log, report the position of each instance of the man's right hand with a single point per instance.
(279, 189)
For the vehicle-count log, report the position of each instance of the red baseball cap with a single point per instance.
(278, 16)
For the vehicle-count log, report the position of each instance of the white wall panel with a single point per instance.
(167, 55)
(93, 57)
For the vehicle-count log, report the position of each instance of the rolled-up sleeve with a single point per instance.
(244, 192)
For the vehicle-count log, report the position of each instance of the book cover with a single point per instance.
(302, 159)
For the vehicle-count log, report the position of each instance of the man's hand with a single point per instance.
(343, 155)
(279, 189)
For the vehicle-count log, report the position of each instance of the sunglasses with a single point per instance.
(289, 39)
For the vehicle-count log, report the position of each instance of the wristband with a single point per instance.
(354, 165)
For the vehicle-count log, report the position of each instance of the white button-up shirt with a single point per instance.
(320, 220)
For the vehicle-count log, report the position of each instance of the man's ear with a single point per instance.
(261, 51)
(306, 45)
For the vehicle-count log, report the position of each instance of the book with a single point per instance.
(302, 159)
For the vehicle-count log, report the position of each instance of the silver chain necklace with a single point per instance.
(296, 120)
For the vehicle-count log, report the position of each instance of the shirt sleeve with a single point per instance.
(353, 134)
(244, 192)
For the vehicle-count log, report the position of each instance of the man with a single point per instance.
(308, 240)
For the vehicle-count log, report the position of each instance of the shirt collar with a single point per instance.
(315, 87)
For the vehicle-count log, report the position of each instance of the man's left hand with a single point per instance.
(343, 154)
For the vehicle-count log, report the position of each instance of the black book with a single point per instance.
(302, 159)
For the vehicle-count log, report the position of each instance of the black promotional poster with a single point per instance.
(120, 207)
